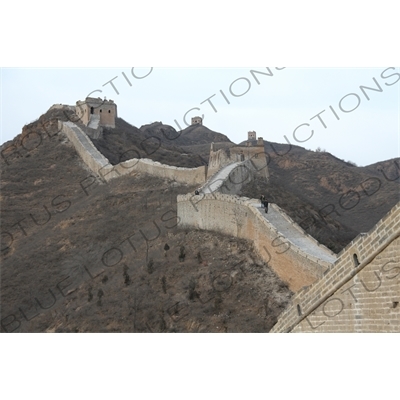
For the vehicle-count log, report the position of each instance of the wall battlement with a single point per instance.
(223, 157)
(105, 110)
(102, 167)
(359, 293)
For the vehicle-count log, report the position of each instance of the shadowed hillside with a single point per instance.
(158, 142)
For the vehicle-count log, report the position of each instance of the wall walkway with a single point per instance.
(294, 234)
(298, 264)
(294, 255)
(215, 182)
(102, 167)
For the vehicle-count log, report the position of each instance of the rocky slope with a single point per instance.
(79, 255)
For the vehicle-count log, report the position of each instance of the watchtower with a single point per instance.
(252, 135)
(92, 111)
(197, 120)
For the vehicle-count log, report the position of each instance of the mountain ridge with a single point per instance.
(74, 253)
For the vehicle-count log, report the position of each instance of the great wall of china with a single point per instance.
(102, 167)
(356, 290)
(359, 293)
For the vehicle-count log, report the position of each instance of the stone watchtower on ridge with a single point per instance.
(197, 120)
(252, 135)
(96, 112)
(252, 151)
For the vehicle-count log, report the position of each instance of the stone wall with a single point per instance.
(238, 177)
(62, 107)
(108, 113)
(223, 157)
(190, 176)
(359, 293)
(105, 109)
(83, 112)
(237, 217)
(218, 159)
(84, 147)
(254, 154)
(102, 167)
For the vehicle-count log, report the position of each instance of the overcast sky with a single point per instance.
(269, 100)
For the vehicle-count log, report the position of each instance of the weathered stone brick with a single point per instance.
(372, 308)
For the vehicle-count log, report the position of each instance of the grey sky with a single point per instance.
(274, 106)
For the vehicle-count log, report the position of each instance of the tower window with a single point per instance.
(91, 110)
(299, 310)
(109, 111)
(355, 260)
(101, 110)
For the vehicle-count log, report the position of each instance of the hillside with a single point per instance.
(79, 255)
(189, 148)
(355, 197)
(192, 135)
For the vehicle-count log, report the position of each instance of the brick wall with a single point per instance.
(255, 154)
(237, 217)
(190, 176)
(359, 293)
(223, 157)
(102, 167)
(84, 147)
(106, 110)
(238, 177)
(83, 112)
(218, 159)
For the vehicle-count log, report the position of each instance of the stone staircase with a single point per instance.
(94, 129)
(94, 122)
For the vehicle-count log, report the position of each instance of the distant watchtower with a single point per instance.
(252, 135)
(97, 112)
(197, 120)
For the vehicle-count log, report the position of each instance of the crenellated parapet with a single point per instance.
(93, 109)
(359, 293)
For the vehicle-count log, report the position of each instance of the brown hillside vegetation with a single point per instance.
(79, 255)
(331, 199)
(188, 148)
